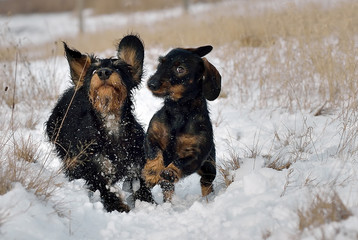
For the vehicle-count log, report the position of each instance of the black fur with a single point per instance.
(179, 139)
(89, 146)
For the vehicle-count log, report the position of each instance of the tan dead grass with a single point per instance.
(26, 150)
(290, 146)
(309, 51)
(31, 6)
(110, 6)
(348, 144)
(325, 208)
(227, 168)
(17, 165)
(20, 84)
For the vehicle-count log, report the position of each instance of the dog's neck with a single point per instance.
(183, 106)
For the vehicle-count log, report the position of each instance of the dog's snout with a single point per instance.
(104, 73)
(153, 84)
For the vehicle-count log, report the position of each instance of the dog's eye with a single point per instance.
(180, 69)
(94, 72)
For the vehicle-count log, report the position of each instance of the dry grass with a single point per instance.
(306, 57)
(99, 7)
(20, 84)
(325, 208)
(31, 6)
(20, 154)
(26, 150)
(18, 164)
(307, 24)
(348, 145)
(290, 146)
(110, 6)
(278, 165)
(227, 168)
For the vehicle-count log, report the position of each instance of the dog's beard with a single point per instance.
(108, 100)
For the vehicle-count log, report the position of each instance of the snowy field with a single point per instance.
(263, 201)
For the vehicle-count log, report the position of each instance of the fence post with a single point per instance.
(186, 5)
(79, 7)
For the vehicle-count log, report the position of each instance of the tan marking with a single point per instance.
(206, 190)
(188, 145)
(163, 90)
(129, 56)
(107, 96)
(206, 187)
(176, 92)
(152, 170)
(175, 170)
(168, 195)
(79, 68)
(158, 133)
(124, 207)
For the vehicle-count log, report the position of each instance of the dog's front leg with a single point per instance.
(170, 175)
(97, 180)
(153, 167)
(154, 172)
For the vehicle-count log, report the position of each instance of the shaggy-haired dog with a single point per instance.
(179, 139)
(92, 125)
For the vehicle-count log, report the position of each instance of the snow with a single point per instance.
(261, 203)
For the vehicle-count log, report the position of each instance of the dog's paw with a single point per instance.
(117, 206)
(166, 185)
(112, 202)
(168, 190)
(169, 175)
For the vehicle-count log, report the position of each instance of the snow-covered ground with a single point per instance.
(261, 203)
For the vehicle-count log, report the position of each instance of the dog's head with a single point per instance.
(108, 81)
(183, 74)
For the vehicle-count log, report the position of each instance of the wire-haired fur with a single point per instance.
(179, 140)
(93, 127)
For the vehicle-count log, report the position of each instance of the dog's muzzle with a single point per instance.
(153, 83)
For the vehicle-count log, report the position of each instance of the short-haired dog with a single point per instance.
(179, 139)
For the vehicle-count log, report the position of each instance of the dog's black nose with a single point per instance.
(153, 84)
(104, 73)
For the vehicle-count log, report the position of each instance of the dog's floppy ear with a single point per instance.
(79, 64)
(211, 76)
(211, 81)
(131, 51)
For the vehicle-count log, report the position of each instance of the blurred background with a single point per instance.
(99, 7)
(285, 48)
